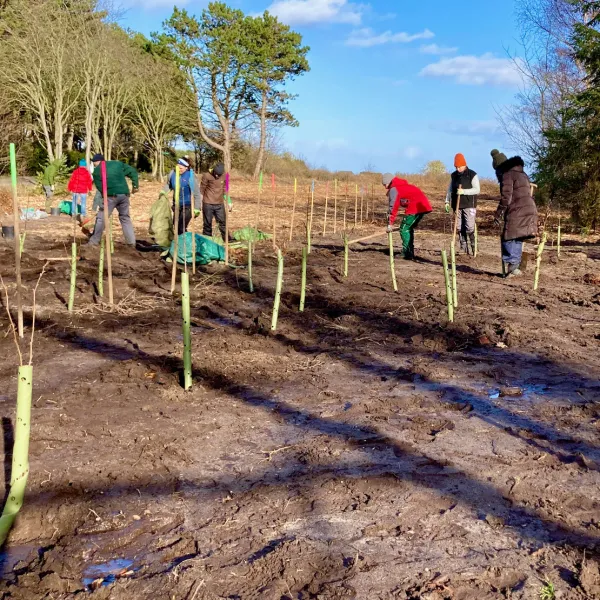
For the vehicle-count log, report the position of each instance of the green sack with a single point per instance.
(66, 208)
(206, 250)
(250, 234)
(161, 222)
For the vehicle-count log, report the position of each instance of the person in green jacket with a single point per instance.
(118, 196)
(48, 180)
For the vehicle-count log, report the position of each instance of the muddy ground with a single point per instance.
(367, 449)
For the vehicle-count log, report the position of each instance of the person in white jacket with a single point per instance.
(464, 185)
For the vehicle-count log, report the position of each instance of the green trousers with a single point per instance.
(407, 233)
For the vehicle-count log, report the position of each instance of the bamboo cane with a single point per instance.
(20, 452)
(187, 334)
(392, 265)
(111, 297)
(250, 283)
(454, 282)
(112, 240)
(326, 201)
(193, 209)
(101, 269)
(362, 201)
(73, 276)
(345, 205)
(558, 239)
(273, 188)
(293, 208)
(22, 242)
(303, 280)
(538, 263)
(17, 226)
(355, 205)
(476, 250)
(456, 212)
(346, 252)
(176, 228)
(448, 288)
(367, 196)
(312, 213)
(277, 290)
(335, 206)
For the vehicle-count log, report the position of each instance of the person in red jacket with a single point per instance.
(80, 185)
(401, 193)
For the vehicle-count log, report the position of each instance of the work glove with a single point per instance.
(389, 229)
(447, 208)
(460, 191)
(196, 212)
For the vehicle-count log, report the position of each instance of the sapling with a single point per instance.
(454, 282)
(250, 284)
(73, 276)
(538, 262)
(176, 232)
(392, 265)
(278, 287)
(303, 279)
(448, 287)
(187, 334)
(346, 252)
(20, 451)
(101, 269)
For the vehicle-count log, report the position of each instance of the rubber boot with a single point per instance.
(472, 240)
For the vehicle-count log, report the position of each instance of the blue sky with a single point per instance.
(393, 84)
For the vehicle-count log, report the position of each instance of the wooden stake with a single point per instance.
(187, 334)
(176, 229)
(112, 240)
(312, 209)
(392, 265)
(345, 205)
(362, 200)
(456, 216)
(293, 208)
(277, 290)
(17, 226)
(326, 200)
(335, 206)
(538, 262)
(558, 239)
(448, 288)
(73, 275)
(303, 280)
(107, 243)
(476, 250)
(355, 205)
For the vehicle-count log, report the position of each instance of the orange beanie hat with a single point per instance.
(460, 161)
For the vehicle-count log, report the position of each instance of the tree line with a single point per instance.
(73, 81)
(556, 119)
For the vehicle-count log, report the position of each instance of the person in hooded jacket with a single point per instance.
(80, 185)
(516, 213)
(462, 193)
(401, 193)
(188, 189)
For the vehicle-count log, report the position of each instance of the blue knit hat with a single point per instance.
(82, 163)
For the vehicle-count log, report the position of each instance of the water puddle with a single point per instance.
(108, 572)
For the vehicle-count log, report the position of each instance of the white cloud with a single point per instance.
(310, 12)
(366, 38)
(475, 70)
(435, 49)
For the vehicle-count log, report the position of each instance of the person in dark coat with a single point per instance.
(518, 211)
